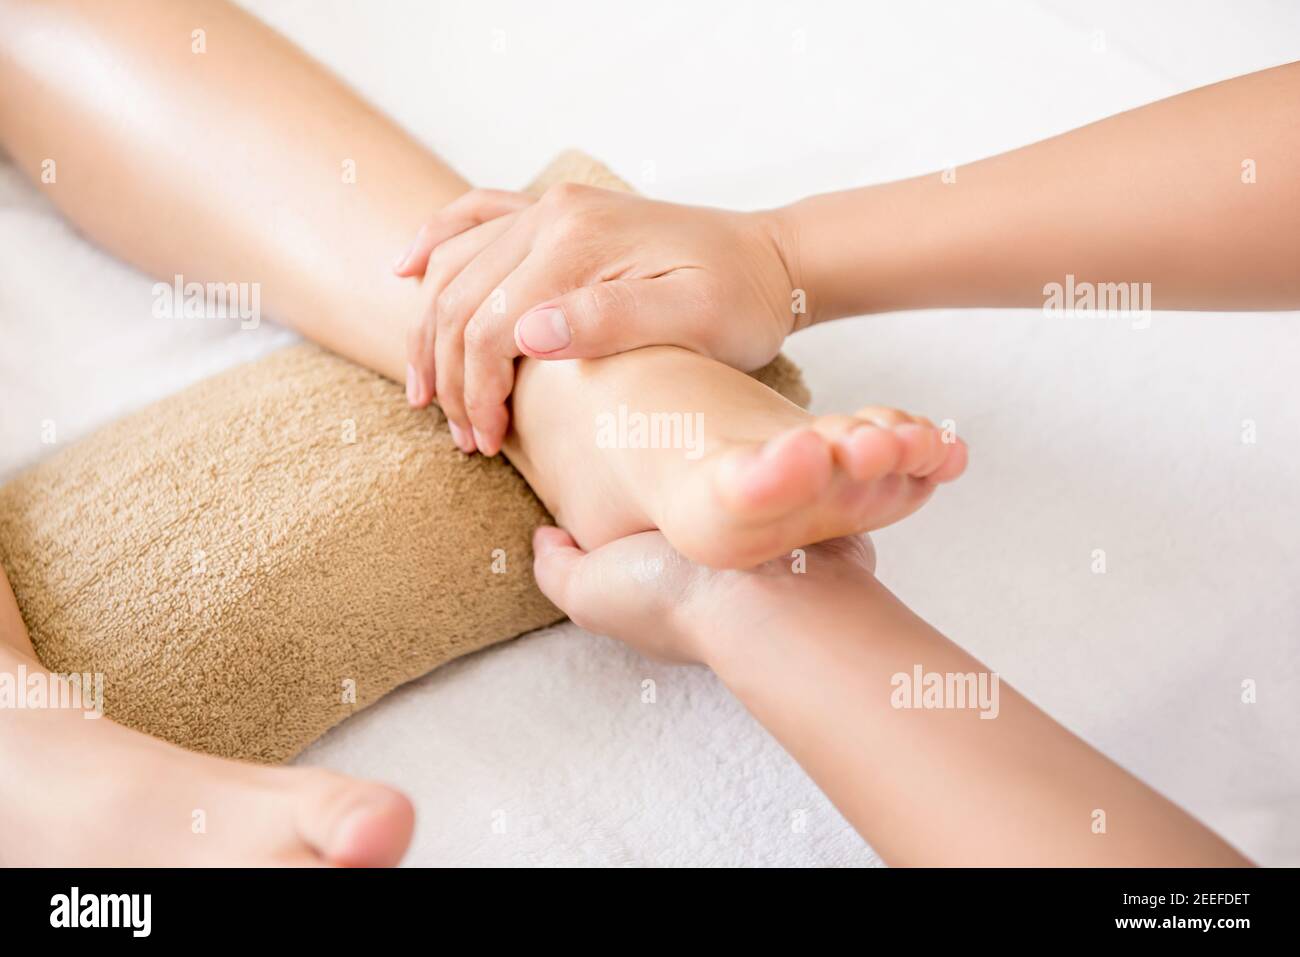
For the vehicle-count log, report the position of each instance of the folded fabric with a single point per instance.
(256, 558)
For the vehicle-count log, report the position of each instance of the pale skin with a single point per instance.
(812, 655)
(1198, 195)
(139, 175)
(226, 165)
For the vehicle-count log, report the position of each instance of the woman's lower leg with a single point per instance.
(249, 162)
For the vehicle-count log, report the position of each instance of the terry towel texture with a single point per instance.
(256, 558)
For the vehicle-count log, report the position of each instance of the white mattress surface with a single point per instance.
(1085, 434)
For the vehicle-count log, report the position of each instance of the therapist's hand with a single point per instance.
(580, 273)
(639, 590)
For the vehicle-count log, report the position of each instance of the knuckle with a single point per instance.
(433, 287)
(476, 199)
(477, 406)
(602, 302)
(573, 227)
(582, 307)
(448, 370)
(477, 334)
(445, 304)
(563, 194)
(437, 264)
(570, 213)
(450, 402)
(486, 394)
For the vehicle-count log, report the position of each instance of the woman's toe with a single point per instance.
(786, 472)
(954, 462)
(354, 823)
(922, 449)
(870, 452)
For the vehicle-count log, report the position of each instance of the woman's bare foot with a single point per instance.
(729, 471)
(88, 792)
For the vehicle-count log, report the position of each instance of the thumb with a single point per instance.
(609, 317)
(557, 560)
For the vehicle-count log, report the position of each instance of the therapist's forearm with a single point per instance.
(1198, 195)
(937, 786)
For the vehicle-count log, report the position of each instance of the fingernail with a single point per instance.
(412, 385)
(479, 443)
(400, 261)
(458, 436)
(544, 330)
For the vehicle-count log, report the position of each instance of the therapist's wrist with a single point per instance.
(883, 248)
(747, 620)
(787, 227)
(837, 250)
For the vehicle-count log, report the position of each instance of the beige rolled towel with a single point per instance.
(256, 558)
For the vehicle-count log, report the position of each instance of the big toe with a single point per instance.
(787, 472)
(355, 823)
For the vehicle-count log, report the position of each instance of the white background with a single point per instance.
(1085, 434)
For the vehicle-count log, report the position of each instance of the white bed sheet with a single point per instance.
(1085, 434)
